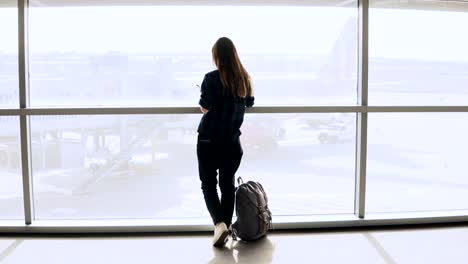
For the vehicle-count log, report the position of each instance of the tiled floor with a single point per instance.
(418, 245)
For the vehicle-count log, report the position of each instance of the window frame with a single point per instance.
(359, 218)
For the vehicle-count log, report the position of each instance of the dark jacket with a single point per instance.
(226, 113)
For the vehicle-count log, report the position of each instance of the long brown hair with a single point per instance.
(233, 75)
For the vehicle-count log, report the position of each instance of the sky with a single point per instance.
(416, 34)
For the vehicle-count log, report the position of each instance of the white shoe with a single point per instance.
(221, 234)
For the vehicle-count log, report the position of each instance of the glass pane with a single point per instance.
(11, 188)
(132, 166)
(305, 162)
(9, 97)
(417, 162)
(418, 53)
(157, 55)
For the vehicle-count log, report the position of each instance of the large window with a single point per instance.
(417, 162)
(418, 53)
(145, 166)
(111, 114)
(11, 189)
(8, 54)
(157, 55)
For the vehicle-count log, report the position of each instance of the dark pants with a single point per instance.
(225, 158)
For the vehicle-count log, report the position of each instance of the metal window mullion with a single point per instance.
(186, 110)
(255, 110)
(25, 131)
(361, 120)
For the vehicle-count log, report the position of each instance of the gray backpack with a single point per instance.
(253, 215)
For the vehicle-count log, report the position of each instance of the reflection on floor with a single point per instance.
(415, 245)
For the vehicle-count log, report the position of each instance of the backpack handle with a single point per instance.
(239, 180)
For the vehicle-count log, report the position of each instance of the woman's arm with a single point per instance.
(250, 99)
(206, 98)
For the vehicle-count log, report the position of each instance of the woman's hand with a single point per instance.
(204, 110)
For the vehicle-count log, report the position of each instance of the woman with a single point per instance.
(225, 94)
